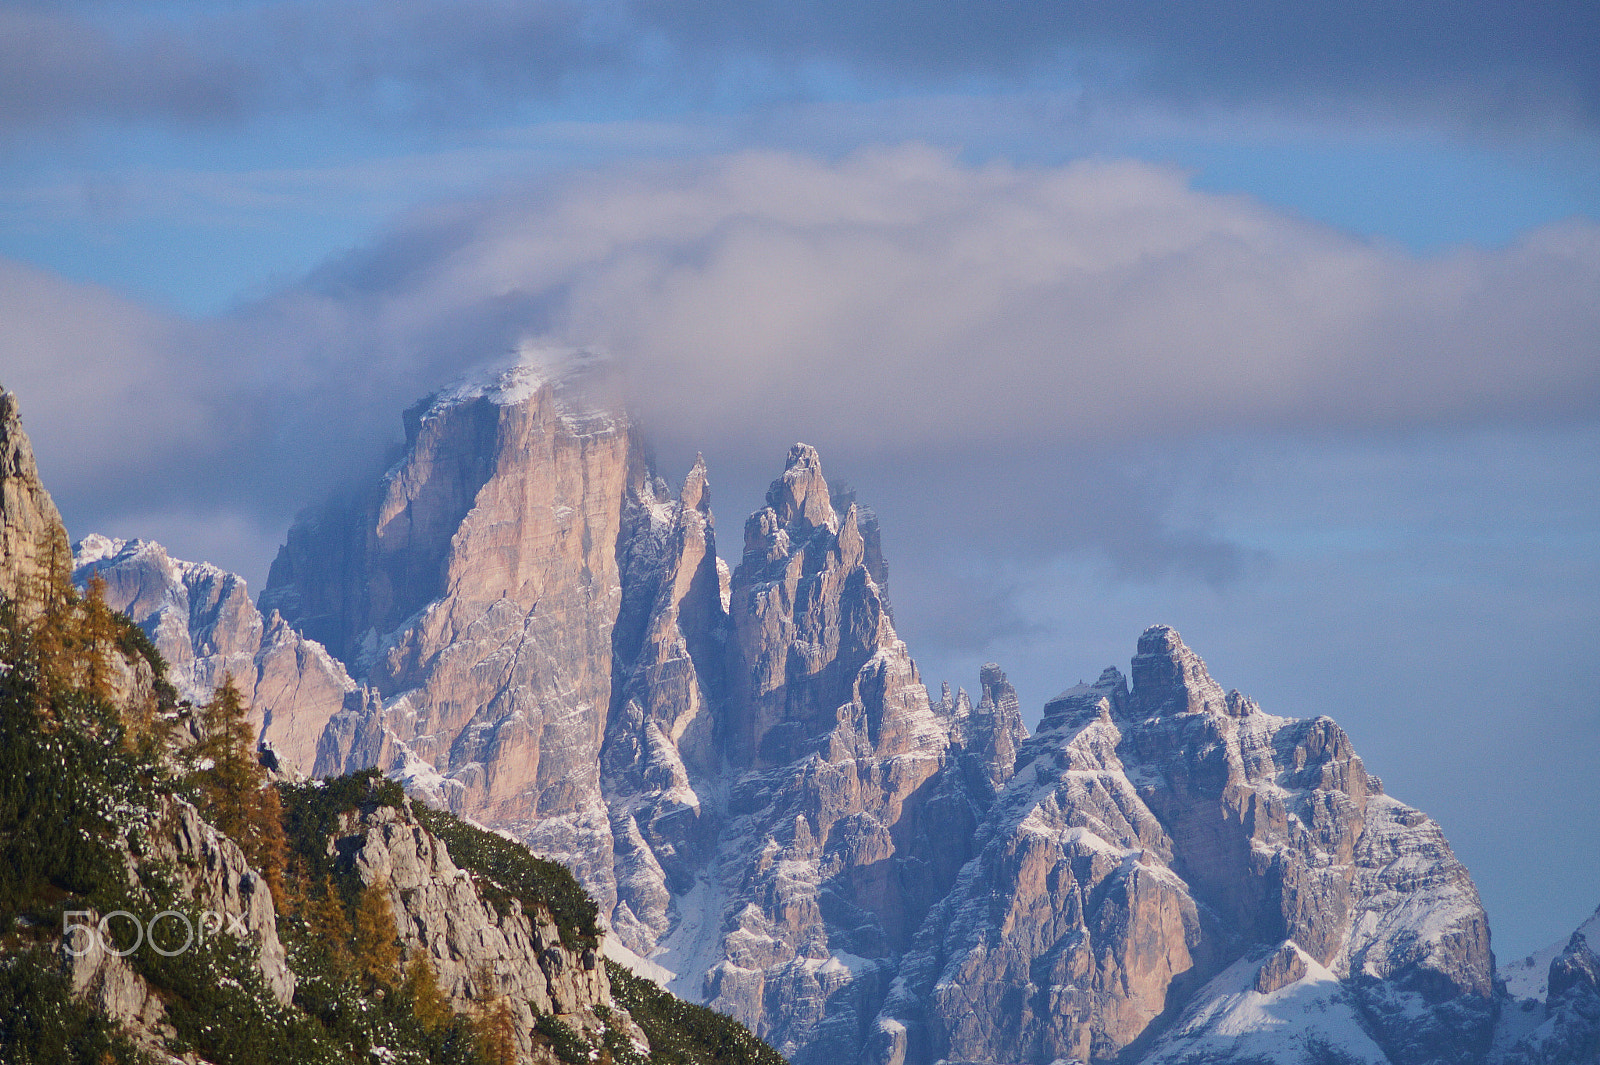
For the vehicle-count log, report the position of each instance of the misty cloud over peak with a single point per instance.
(900, 307)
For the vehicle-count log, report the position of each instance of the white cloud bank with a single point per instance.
(893, 304)
(901, 294)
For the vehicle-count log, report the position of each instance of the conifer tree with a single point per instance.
(421, 991)
(330, 927)
(98, 635)
(234, 786)
(493, 1027)
(496, 1032)
(47, 619)
(104, 655)
(377, 940)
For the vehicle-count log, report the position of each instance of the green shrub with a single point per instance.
(681, 1033)
(568, 1046)
(311, 815)
(42, 1023)
(509, 871)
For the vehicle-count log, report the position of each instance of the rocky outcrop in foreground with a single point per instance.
(33, 542)
(477, 950)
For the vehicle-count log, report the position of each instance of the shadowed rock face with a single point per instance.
(1553, 1016)
(663, 744)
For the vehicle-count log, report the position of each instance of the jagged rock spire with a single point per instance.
(800, 497)
(1168, 678)
(696, 493)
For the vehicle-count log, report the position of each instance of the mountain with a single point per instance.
(747, 771)
(1553, 1016)
(1157, 834)
(203, 623)
(1528, 978)
(164, 897)
(475, 588)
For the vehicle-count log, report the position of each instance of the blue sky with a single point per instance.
(1275, 322)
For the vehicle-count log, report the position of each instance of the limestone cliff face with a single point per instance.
(441, 914)
(202, 621)
(1151, 837)
(33, 543)
(209, 871)
(475, 590)
(663, 747)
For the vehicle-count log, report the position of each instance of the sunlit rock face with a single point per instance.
(475, 590)
(202, 621)
(34, 556)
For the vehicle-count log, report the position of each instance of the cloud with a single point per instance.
(1464, 66)
(96, 372)
(906, 300)
(406, 60)
(1487, 62)
(1031, 338)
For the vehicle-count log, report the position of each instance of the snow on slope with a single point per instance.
(1230, 1019)
(1528, 977)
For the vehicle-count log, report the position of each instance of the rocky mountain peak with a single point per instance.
(996, 689)
(475, 590)
(202, 621)
(1285, 966)
(1168, 678)
(988, 735)
(800, 498)
(1557, 995)
(1109, 693)
(696, 493)
(1575, 967)
(813, 636)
